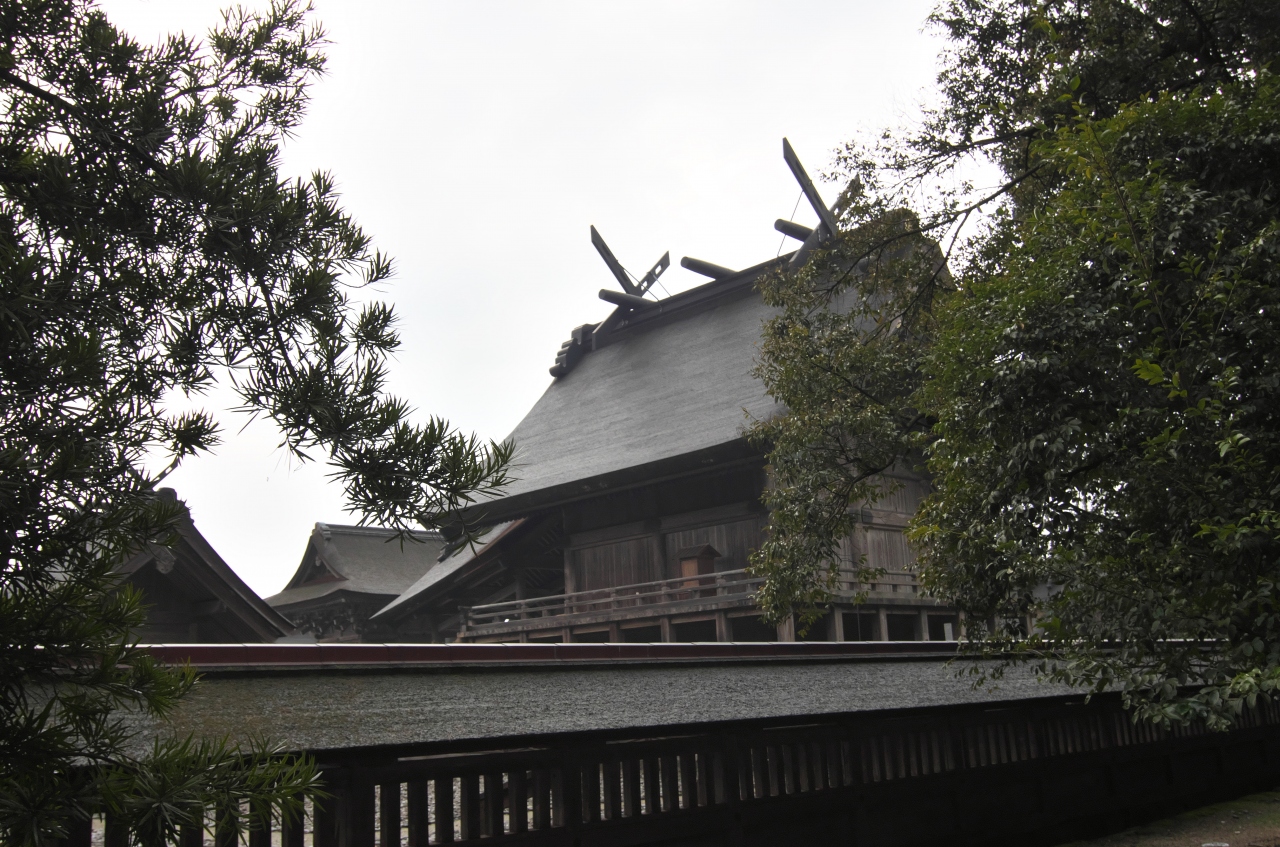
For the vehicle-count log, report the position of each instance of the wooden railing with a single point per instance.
(916, 776)
(727, 588)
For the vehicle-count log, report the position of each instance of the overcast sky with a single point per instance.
(477, 141)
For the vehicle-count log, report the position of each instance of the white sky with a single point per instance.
(477, 141)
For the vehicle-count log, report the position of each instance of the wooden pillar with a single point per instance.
(959, 625)
(664, 624)
(884, 623)
(657, 550)
(837, 623)
(924, 625)
(615, 633)
(569, 586)
(722, 627)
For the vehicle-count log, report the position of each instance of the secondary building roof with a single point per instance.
(358, 560)
(192, 595)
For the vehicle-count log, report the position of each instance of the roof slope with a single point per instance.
(450, 566)
(193, 569)
(674, 381)
(364, 560)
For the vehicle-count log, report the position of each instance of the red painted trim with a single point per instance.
(267, 656)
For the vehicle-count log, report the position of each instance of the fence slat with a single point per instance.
(389, 814)
(518, 800)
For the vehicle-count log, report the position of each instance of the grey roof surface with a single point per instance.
(370, 560)
(331, 710)
(667, 388)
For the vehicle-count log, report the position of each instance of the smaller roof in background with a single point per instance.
(361, 560)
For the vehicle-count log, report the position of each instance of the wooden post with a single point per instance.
(837, 623)
(541, 799)
(444, 812)
(589, 810)
(355, 816)
(324, 824)
(670, 784)
(115, 834)
(518, 802)
(418, 807)
(612, 795)
(389, 814)
(80, 832)
(470, 812)
(260, 832)
(688, 781)
(652, 791)
(292, 830)
(569, 810)
(631, 787)
(493, 806)
(722, 627)
(884, 623)
(664, 625)
(924, 625)
(224, 829)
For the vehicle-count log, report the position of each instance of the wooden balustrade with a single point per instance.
(653, 785)
(648, 599)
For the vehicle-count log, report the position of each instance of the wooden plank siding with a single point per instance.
(625, 555)
(734, 542)
(624, 562)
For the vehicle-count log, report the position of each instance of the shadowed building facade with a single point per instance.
(637, 501)
(192, 596)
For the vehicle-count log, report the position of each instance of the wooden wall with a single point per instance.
(646, 551)
(604, 551)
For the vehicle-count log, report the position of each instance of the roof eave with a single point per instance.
(526, 503)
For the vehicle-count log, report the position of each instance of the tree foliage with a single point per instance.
(1095, 395)
(150, 247)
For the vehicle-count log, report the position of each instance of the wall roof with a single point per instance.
(343, 709)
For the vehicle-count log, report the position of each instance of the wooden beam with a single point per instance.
(806, 185)
(706, 268)
(614, 266)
